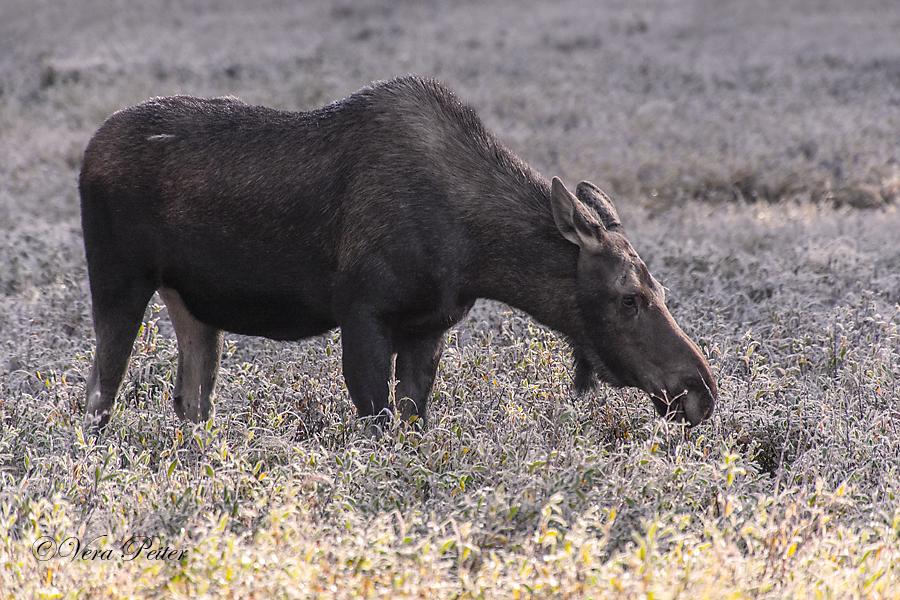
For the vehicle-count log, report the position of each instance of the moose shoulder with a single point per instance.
(385, 214)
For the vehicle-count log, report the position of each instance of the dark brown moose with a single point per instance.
(385, 214)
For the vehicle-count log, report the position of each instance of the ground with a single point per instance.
(753, 151)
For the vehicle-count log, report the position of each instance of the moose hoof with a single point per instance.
(95, 424)
(178, 405)
(410, 413)
(188, 411)
(378, 425)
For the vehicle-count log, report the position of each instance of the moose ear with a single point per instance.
(572, 218)
(592, 196)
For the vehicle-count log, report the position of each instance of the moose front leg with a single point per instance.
(417, 364)
(368, 362)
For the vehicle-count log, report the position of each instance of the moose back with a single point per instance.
(385, 214)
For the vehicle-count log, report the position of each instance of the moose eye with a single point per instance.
(629, 302)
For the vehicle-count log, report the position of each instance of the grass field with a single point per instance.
(753, 155)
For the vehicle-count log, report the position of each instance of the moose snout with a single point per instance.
(693, 402)
(695, 408)
(699, 405)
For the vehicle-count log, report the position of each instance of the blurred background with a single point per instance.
(659, 100)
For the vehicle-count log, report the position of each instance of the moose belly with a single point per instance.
(251, 303)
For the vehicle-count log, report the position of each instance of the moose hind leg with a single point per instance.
(417, 364)
(199, 356)
(117, 319)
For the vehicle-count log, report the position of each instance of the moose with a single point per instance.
(386, 214)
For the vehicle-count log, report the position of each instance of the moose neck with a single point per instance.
(522, 259)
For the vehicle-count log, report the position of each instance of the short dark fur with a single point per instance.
(387, 214)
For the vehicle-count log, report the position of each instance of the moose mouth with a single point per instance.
(692, 404)
(671, 409)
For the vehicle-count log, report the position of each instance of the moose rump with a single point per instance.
(385, 214)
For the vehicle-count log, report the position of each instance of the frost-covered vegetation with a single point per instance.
(516, 488)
